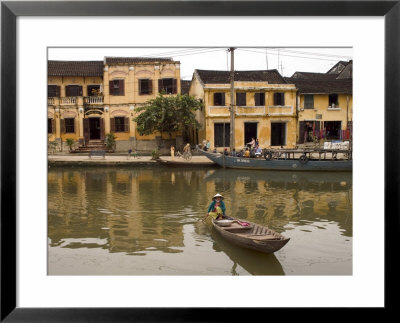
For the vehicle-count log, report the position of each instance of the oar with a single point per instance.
(205, 217)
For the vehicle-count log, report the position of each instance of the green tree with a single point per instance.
(168, 114)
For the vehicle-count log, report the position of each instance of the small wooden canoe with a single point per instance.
(253, 236)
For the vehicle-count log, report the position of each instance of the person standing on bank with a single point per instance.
(217, 207)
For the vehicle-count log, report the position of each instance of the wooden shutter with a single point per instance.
(53, 126)
(160, 85)
(58, 91)
(111, 86)
(75, 124)
(126, 124)
(150, 85)
(80, 91)
(174, 86)
(101, 129)
(223, 99)
(86, 129)
(62, 125)
(282, 98)
(121, 87)
(276, 98)
(140, 87)
(112, 125)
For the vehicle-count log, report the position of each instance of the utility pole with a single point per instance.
(232, 107)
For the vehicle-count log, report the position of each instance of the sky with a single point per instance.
(285, 60)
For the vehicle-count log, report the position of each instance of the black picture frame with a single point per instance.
(10, 10)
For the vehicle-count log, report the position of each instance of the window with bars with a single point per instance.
(219, 98)
(119, 124)
(308, 101)
(279, 98)
(145, 86)
(168, 85)
(241, 99)
(259, 99)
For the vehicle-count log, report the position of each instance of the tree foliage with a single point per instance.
(167, 114)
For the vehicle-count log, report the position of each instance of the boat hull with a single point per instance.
(279, 164)
(247, 238)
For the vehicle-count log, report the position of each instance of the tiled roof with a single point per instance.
(185, 85)
(75, 68)
(133, 60)
(313, 76)
(338, 67)
(320, 86)
(223, 77)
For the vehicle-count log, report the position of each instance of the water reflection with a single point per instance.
(145, 211)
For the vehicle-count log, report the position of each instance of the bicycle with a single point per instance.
(187, 155)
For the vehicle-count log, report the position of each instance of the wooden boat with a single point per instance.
(253, 236)
(286, 161)
(184, 163)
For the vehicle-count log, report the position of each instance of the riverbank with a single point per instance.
(121, 160)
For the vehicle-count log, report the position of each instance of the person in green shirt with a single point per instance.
(217, 208)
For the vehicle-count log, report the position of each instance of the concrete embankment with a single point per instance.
(119, 160)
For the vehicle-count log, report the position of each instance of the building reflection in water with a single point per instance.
(143, 209)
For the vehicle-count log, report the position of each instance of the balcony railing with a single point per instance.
(93, 100)
(51, 101)
(281, 110)
(70, 100)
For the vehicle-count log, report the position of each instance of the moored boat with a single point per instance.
(302, 163)
(250, 235)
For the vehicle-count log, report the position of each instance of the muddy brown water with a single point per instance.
(146, 220)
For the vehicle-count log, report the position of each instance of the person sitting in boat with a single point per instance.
(247, 153)
(217, 207)
(186, 149)
(226, 152)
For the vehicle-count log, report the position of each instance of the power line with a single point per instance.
(296, 56)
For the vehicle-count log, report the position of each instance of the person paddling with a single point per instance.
(217, 208)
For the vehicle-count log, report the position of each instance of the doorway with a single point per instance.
(219, 134)
(250, 131)
(332, 129)
(278, 134)
(94, 128)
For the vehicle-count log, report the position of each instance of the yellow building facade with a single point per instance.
(325, 104)
(264, 106)
(87, 100)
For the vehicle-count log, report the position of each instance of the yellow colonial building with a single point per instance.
(89, 99)
(325, 103)
(264, 106)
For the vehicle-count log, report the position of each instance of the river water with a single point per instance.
(147, 221)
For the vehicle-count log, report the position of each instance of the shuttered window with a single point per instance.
(241, 99)
(219, 98)
(120, 124)
(259, 99)
(279, 98)
(73, 90)
(50, 125)
(145, 86)
(117, 87)
(168, 86)
(308, 101)
(69, 125)
(53, 91)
